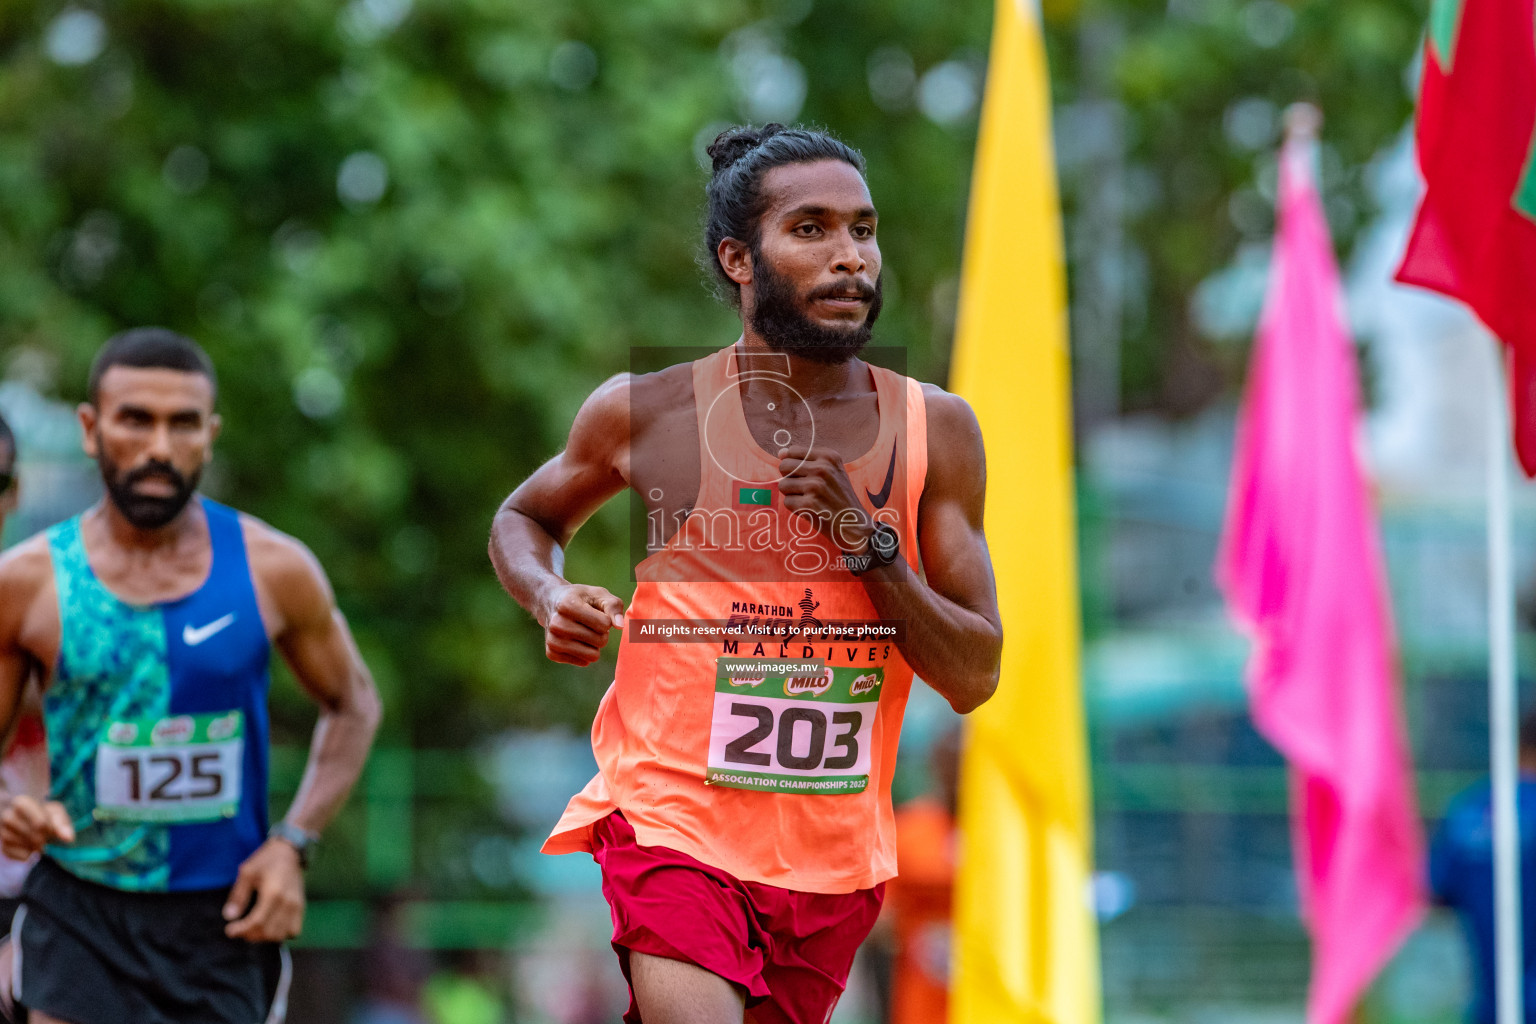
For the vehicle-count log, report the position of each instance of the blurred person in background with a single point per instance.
(394, 971)
(918, 900)
(25, 765)
(1461, 876)
(161, 896)
(24, 768)
(467, 990)
(742, 815)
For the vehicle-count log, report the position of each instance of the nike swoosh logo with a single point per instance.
(193, 635)
(879, 500)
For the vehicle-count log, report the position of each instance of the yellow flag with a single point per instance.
(1026, 944)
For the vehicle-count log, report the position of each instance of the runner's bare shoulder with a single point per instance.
(26, 564)
(954, 435)
(26, 588)
(663, 391)
(631, 410)
(290, 582)
(628, 404)
(660, 399)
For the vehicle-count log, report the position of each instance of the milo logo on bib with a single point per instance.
(171, 730)
(814, 685)
(798, 726)
(178, 770)
(122, 733)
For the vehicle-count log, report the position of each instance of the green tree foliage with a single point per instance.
(415, 236)
(1184, 98)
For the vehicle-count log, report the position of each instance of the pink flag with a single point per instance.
(1301, 567)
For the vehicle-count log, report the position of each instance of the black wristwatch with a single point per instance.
(302, 840)
(884, 544)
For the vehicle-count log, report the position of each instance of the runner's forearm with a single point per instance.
(337, 753)
(14, 674)
(953, 649)
(529, 561)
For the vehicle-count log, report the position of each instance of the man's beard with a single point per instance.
(778, 316)
(147, 512)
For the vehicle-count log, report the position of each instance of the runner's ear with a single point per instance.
(735, 259)
(88, 416)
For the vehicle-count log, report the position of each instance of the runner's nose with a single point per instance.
(849, 259)
(159, 449)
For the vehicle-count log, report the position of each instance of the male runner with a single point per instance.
(742, 813)
(24, 768)
(161, 894)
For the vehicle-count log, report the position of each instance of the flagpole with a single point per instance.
(1502, 714)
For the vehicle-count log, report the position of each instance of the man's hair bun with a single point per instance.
(734, 143)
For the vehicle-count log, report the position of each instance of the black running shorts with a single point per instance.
(8, 907)
(89, 954)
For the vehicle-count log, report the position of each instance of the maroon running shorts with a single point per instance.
(788, 951)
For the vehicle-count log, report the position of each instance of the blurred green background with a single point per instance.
(415, 234)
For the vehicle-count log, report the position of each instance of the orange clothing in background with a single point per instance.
(918, 900)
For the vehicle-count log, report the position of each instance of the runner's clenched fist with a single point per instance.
(28, 825)
(577, 621)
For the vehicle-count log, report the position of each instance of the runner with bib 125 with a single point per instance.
(813, 528)
(161, 895)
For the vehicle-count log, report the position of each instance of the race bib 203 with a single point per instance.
(792, 726)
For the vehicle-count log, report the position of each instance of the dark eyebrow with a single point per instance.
(862, 213)
(144, 412)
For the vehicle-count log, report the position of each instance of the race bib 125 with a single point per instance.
(790, 726)
(180, 769)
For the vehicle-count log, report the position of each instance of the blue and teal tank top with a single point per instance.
(157, 722)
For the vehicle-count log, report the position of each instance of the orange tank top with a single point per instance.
(769, 754)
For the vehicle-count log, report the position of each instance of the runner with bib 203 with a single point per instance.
(161, 895)
(818, 521)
